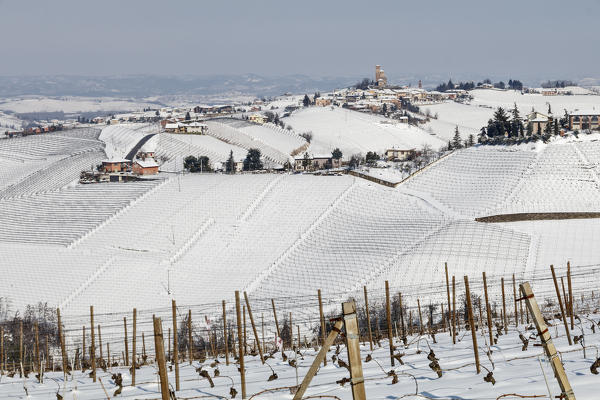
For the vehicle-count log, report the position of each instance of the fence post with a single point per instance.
(560, 303)
(260, 352)
(134, 350)
(448, 292)
(368, 321)
(275, 317)
(353, 346)
(515, 299)
(420, 317)
(453, 310)
(504, 318)
(488, 311)
(21, 347)
(2, 351)
(93, 347)
(538, 319)
(240, 342)
(159, 345)
(571, 309)
(388, 313)
(323, 327)
(401, 317)
(100, 342)
(225, 340)
(190, 344)
(62, 343)
(472, 324)
(175, 344)
(126, 341)
(38, 364)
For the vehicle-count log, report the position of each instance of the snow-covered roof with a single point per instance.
(147, 163)
(115, 161)
(585, 112)
(172, 126)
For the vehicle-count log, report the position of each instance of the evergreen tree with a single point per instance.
(384, 109)
(187, 116)
(470, 140)
(306, 101)
(456, 141)
(556, 127)
(516, 125)
(252, 161)
(336, 153)
(482, 135)
(230, 165)
(306, 161)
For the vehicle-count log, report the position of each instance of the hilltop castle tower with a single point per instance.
(380, 78)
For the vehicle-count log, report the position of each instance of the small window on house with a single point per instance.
(575, 119)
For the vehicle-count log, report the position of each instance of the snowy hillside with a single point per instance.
(355, 132)
(275, 233)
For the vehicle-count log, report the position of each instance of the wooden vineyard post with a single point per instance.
(322, 317)
(108, 353)
(571, 309)
(245, 333)
(240, 342)
(100, 342)
(93, 347)
(353, 346)
(175, 344)
(159, 345)
(317, 361)
(62, 343)
(291, 332)
(133, 347)
(298, 330)
(420, 317)
(21, 346)
(38, 364)
(126, 341)
(488, 311)
(143, 345)
(401, 316)
(83, 347)
(504, 318)
(453, 310)
(560, 303)
(170, 352)
(448, 293)
(368, 322)
(256, 338)
(515, 299)
(225, 335)
(190, 344)
(275, 317)
(1, 351)
(472, 324)
(389, 322)
(549, 348)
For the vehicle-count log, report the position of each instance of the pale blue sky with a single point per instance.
(320, 38)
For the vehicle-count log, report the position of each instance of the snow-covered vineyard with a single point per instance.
(197, 238)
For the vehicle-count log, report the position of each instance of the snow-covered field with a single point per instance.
(355, 132)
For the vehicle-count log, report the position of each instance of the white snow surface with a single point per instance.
(355, 132)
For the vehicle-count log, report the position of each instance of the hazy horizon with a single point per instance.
(523, 40)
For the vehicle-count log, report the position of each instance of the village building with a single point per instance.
(380, 78)
(147, 166)
(538, 122)
(322, 102)
(395, 154)
(116, 165)
(584, 120)
(307, 163)
(257, 119)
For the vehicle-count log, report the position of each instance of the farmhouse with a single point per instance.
(394, 154)
(316, 162)
(538, 122)
(583, 120)
(116, 165)
(257, 118)
(146, 166)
